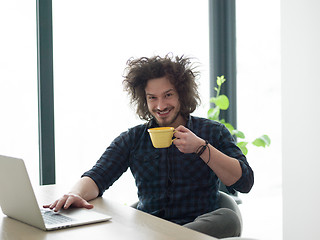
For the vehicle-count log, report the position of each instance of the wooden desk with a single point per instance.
(126, 223)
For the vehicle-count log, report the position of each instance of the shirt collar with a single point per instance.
(189, 123)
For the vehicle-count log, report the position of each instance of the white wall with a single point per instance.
(300, 38)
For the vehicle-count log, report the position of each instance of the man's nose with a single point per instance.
(161, 105)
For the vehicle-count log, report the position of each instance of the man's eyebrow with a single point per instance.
(165, 92)
(169, 90)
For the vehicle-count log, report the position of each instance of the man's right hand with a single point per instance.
(69, 200)
(84, 190)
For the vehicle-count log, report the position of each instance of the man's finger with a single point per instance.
(87, 205)
(51, 205)
(60, 203)
(69, 201)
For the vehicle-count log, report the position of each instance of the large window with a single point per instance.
(92, 40)
(258, 86)
(18, 83)
(259, 112)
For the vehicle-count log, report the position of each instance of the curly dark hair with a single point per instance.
(180, 72)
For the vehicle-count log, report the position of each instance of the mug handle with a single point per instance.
(174, 138)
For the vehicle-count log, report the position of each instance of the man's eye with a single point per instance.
(169, 95)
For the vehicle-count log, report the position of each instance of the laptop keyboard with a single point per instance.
(51, 217)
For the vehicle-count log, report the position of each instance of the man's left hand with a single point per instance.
(186, 141)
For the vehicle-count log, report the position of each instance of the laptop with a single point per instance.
(18, 201)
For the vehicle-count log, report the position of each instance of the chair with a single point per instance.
(233, 194)
(225, 201)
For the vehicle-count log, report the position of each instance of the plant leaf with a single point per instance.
(221, 101)
(266, 139)
(262, 141)
(230, 127)
(259, 142)
(220, 80)
(242, 144)
(214, 113)
(239, 134)
(213, 99)
(243, 147)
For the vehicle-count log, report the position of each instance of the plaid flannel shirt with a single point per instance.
(172, 185)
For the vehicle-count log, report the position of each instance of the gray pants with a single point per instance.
(220, 223)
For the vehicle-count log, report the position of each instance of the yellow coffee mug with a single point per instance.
(161, 137)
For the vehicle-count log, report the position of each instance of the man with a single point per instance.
(179, 183)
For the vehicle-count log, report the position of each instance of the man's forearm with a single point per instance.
(226, 168)
(86, 188)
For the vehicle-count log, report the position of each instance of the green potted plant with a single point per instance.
(221, 102)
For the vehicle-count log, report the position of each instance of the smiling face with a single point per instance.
(163, 102)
